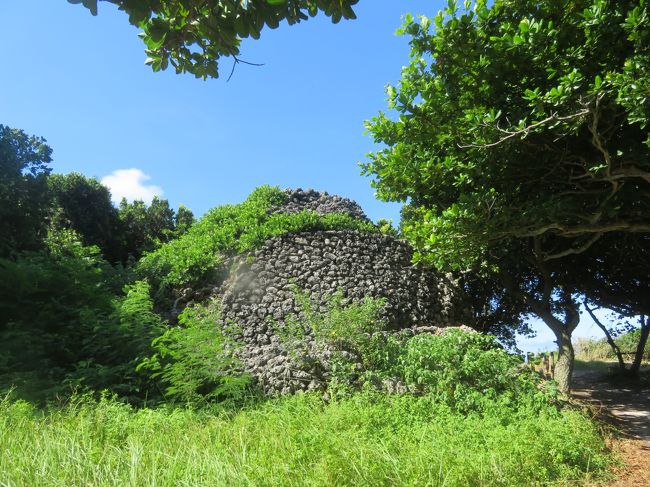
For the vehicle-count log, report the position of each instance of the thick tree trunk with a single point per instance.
(548, 298)
(564, 364)
(640, 348)
(562, 331)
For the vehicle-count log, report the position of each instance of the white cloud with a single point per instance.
(129, 184)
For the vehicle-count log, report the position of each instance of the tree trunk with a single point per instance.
(564, 364)
(640, 348)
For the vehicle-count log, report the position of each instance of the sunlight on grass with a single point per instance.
(363, 440)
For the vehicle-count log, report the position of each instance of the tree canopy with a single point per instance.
(193, 35)
(521, 140)
(24, 166)
(524, 119)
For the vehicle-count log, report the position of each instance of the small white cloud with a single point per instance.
(129, 184)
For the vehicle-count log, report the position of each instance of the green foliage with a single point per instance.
(195, 361)
(113, 348)
(229, 230)
(65, 327)
(346, 325)
(84, 205)
(193, 36)
(465, 371)
(49, 300)
(386, 227)
(24, 199)
(516, 120)
(468, 372)
(144, 228)
(183, 220)
(589, 349)
(349, 329)
(367, 439)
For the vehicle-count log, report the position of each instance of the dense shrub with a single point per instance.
(115, 346)
(50, 302)
(229, 230)
(195, 361)
(466, 371)
(66, 325)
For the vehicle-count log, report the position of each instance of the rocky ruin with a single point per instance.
(259, 293)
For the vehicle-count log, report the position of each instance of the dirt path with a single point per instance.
(627, 405)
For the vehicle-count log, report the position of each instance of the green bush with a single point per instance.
(350, 330)
(195, 361)
(68, 326)
(468, 371)
(228, 230)
(115, 346)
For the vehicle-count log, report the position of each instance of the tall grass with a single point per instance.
(365, 440)
(589, 349)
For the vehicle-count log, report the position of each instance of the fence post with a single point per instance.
(551, 365)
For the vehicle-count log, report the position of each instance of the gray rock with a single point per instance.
(360, 264)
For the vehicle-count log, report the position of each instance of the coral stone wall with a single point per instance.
(321, 203)
(259, 292)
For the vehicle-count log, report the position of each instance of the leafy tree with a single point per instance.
(144, 227)
(64, 325)
(521, 140)
(493, 309)
(183, 220)
(613, 273)
(633, 336)
(192, 36)
(160, 220)
(84, 205)
(133, 218)
(49, 300)
(24, 200)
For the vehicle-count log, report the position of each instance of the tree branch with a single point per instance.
(526, 130)
(573, 250)
(236, 61)
(573, 231)
(608, 335)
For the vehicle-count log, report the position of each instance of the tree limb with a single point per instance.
(608, 336)
(572, 231)
(573, 250)
(526, 130)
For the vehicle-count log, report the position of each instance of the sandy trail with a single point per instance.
(627, 405)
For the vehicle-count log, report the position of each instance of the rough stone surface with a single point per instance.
(322, 203)
(258, 295)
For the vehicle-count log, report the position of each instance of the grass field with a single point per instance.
(364, 440)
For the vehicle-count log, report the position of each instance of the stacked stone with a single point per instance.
(321, 203)
(259, 296)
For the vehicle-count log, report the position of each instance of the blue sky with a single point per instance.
(80, 82)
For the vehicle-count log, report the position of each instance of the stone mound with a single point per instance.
(259, 294)
(321, 203)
